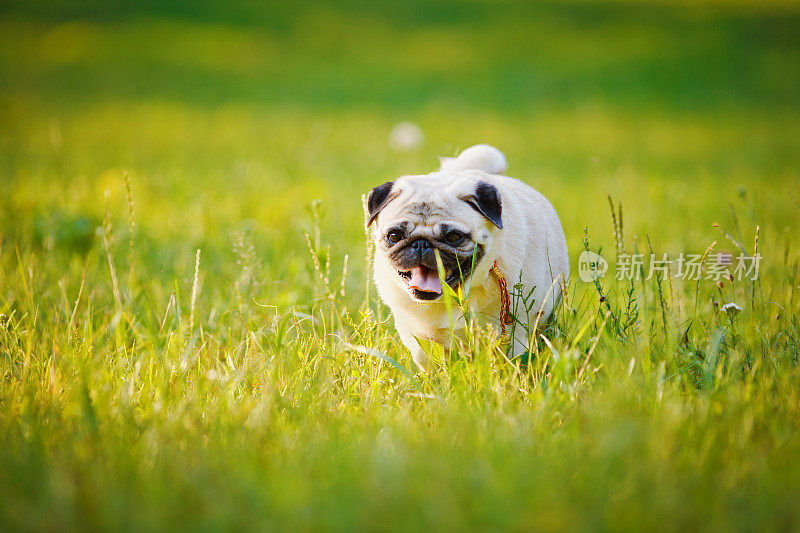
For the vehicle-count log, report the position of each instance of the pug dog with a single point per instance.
(490, 231)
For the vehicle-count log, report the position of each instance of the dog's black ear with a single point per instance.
(486, 201)
(377, 200)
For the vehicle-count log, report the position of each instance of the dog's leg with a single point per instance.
(519, 343)
(410, 341)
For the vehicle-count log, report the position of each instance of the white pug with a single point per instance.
(488, 229)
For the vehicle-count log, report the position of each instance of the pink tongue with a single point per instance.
(425, 279)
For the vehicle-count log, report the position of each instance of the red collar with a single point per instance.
(505, 301)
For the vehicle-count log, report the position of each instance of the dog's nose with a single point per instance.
(421, 246)
(423, 250)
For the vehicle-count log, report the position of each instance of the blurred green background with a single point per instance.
(408, 55)
(231, 111)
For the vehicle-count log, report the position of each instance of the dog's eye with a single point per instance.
(394, 236)
(453, 237)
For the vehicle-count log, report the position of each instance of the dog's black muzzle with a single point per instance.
(421, 252)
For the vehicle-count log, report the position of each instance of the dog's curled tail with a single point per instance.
(478, 157)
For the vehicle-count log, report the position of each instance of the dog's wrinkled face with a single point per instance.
(423, 215)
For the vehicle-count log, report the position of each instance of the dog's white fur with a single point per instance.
(530, 248)
(478, 157)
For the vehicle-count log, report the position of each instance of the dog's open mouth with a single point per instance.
(424, 282)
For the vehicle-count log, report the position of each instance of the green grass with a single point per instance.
(264, 390)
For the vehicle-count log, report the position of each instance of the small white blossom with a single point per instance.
(732, 309)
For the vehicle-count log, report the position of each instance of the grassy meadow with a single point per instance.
(189, 339)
